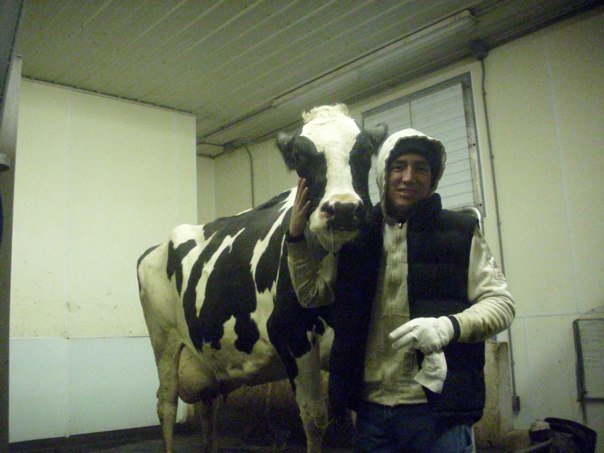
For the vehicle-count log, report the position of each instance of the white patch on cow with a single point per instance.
(262, 244)
(265, 299)
(209, 267)
(243, 212)
(289, 201)
(235, 365)
(179, 236)
(232, 366)
(334, 134)
(186, 232)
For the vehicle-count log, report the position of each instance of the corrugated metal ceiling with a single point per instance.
(248, 68)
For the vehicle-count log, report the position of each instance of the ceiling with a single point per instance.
(247, 68)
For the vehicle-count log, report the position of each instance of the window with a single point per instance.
(446, 112)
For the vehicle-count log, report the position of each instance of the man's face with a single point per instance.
(409, 178)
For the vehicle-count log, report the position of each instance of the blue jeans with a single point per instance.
(408, 428)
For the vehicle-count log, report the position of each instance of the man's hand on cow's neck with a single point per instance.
(297, 222)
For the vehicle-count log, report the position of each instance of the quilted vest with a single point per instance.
(438, 248)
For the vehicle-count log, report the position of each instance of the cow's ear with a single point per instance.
(377, 135)
(285, 145)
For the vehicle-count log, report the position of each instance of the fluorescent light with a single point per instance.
(420, 40)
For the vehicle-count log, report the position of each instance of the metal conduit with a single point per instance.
(249, 155)
(480, 52)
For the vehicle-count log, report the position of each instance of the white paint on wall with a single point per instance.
(98, 181)
(61, 387)
(547, 117)
(232, 183)
(206, 208)
(38, 389)
(271, 176)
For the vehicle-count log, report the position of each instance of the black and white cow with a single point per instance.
(218, 300)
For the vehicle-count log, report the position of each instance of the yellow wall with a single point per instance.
(98, 181)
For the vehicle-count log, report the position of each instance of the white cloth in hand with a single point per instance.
(433, 371)
(426, 334)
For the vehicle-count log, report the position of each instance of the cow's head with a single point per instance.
(334, 156)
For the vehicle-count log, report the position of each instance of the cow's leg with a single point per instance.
(167, 394)
(207, 411)
(311, 398)
(197, 384)
(157, 297)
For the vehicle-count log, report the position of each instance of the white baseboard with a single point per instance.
(62, 387)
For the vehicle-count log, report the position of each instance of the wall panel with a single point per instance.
(98, 181)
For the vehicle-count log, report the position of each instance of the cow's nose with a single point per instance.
(343, 216)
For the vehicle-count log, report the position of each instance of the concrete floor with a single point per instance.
(184, 443)
(190, 444)
(263, 437)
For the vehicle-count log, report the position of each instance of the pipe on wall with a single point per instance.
(480, 51)
(252, 188)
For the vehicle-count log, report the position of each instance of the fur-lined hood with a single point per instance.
(403, 141)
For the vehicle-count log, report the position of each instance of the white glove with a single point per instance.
(433, 371)
(426, 334)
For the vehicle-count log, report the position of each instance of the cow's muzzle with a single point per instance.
(343, 216)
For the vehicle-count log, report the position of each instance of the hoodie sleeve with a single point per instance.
(312, 280)
(493, 307)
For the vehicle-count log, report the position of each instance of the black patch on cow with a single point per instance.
(175, 257)
(316, 184)
(289, 323)
(230, 289)
(301, 154)
(285, 143)
(360, 164)
(310, 164)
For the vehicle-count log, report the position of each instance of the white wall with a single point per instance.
(98, 181)
(206, 195)
(545, 94)
(546, 98)
(233, 183)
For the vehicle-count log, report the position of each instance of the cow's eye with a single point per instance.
(303, 172)
(300, 158)
(302, 163)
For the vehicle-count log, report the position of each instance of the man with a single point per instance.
(420, 281)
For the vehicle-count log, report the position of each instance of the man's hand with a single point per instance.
(297, 222)
(426, 334)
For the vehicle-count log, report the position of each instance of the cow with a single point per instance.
(218, 300)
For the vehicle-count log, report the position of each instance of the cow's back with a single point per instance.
(215, 284)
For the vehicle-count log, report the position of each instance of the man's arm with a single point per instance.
(493, 308)
(312, 280)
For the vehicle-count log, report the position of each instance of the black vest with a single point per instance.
(438, 251)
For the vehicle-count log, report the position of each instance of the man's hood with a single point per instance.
(401, 141)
